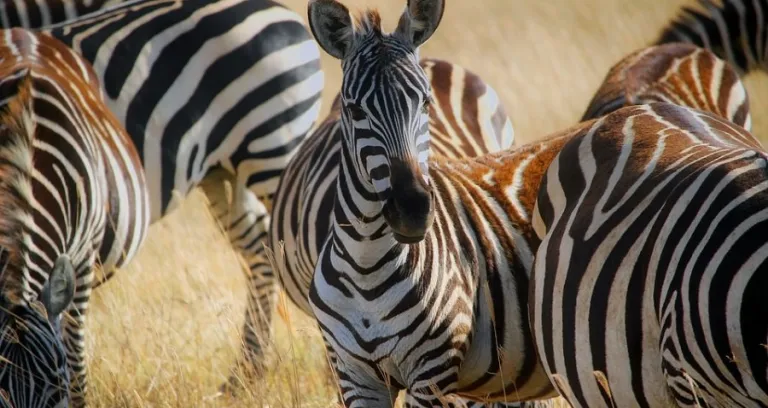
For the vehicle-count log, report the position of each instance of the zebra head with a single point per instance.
(33, 363)
(385, 95)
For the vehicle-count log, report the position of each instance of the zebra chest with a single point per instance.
(393, 318)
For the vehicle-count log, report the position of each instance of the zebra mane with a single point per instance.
(368, 30)
(17, 131)
(368, 21)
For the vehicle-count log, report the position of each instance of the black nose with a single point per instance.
(408, 209)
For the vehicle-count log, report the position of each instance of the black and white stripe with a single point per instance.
(212, 93)
(466, 119)
(39, 13)
(73, 196)
(421, 283)
(679, 73)
(735, 30)
(649, 282)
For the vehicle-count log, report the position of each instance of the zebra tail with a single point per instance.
(734, 30)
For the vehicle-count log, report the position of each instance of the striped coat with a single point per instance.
(74, 197)
(465, 120)
(678, 73)
(648, 283)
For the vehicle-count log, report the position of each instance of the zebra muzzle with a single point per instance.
(409, 209)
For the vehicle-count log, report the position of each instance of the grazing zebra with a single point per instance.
(72, 196)
(649, 283)
(678, 73)
(466, 119)
(735, 30)
(422, 283)
(212, 93)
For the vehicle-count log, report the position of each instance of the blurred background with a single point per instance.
(164, 332)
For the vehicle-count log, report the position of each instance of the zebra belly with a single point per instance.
(600, 339)
(500, 363)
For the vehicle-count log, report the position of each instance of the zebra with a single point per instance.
(679, 73)
(212, 94)
(736, 31)
(466, 119)
(33, 14)
(648, 283)
(73, 197)
(421, 284)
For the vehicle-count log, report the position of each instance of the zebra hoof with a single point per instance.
(241, 377)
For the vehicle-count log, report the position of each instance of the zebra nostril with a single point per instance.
(380, 172)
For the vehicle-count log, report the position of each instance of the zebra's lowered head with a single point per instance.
(33, 363)
(385, 96)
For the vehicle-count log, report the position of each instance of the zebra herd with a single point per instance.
(615, 263)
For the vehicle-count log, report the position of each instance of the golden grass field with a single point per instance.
(164, 332)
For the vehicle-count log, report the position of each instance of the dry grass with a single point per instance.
(164, 332)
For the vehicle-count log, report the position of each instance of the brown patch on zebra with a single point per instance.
(678, 73)
(335, 106)
(538, 155)
(54, 69)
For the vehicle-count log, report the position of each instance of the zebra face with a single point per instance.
(33, 371)
(385, 97)
(33, 361)
(391, 148)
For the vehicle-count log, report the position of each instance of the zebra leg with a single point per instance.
(73, 335)
(358, 389)
(457, 402)
(438, 399)
(549, 403)
(444, 399)
(245, 219)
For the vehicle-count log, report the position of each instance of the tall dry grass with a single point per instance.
(164, 331)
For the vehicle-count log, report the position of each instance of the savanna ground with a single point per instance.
(164, 332)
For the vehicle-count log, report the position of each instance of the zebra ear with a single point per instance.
(331, 24)
(59, 291)
(420, 20)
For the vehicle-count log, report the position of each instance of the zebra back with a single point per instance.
(678, 73)
(201, 85)
(735, 30)
(32, 14)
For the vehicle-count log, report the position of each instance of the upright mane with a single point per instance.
(17, 131)
(384, 51)
(368, 21)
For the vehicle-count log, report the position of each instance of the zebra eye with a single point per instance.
(356, 112)
(425, 105)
